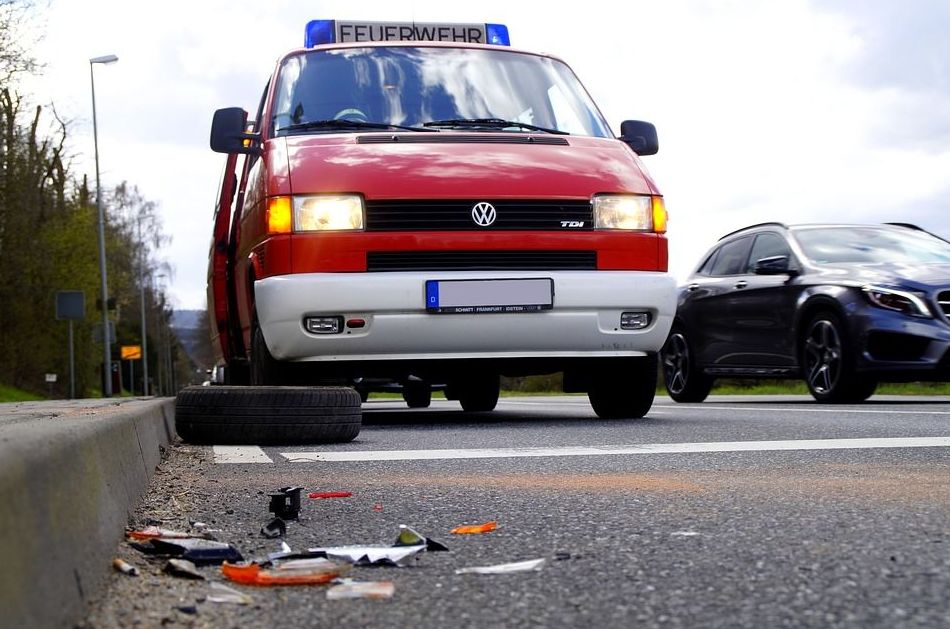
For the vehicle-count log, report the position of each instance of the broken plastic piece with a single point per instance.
(410, 537)
(474, 529)
(317, 495)
(274, 529)
(191, 610)
(505, 568)
(125, 567)
(155, 532)
(371, 555)
(294, 572)
(361, 589)
(285, 504)
(200, 551)
(220, 593)
(378, 507)
(183, 568)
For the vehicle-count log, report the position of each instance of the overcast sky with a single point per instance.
(789, 111)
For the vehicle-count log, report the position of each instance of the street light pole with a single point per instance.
(106, 337)
(142, 261)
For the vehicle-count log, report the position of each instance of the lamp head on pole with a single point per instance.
(104, 59)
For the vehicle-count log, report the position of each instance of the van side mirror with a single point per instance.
(640, 136)
(229, 134)
(774, 265)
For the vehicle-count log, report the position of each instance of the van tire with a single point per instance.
(247, 415)
(624, 388)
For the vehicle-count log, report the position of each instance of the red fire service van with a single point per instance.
(423, 205)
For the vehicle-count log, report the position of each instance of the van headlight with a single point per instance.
(643, 213)
(340, 212)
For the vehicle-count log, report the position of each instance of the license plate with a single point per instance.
(489, 296)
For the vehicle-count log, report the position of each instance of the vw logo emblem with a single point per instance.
(483, 214)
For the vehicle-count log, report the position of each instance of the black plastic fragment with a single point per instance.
(274, 529)
(285, 504)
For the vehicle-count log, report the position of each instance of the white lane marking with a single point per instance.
(646, 448)
(240, 454)
(771, 409)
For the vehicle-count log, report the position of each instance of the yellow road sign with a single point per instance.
(131, 352)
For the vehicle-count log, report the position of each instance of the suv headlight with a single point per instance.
(899, 300)
(642, 213)
(328, 213)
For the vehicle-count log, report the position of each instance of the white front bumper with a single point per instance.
(584, 322)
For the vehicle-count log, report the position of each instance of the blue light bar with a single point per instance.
(497, 34)
(320, 32)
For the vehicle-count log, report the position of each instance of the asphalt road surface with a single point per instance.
(738, 512)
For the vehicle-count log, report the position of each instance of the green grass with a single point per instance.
(796, 387)
(10, 394)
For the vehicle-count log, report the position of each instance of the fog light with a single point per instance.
(634, 320)
(323, 325)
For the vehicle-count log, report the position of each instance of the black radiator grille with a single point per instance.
(943, 300)
(456, 215)
(481, 260)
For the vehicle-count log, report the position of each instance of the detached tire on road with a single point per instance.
(267, 415)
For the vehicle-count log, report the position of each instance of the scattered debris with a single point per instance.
(562, 556)
(684, 534)
(200, 551)
(505, 568)
(188, 609)
(361, 589)
(285, 504)
(475, 529)
(220, 593)
(370, 555)
(125, 567)
(410, 537)
(156, 532)
(378, 507)
(318, 495)
(312, 571)
(274, 529)
(184, 569)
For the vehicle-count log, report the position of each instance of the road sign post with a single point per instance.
(70, 305)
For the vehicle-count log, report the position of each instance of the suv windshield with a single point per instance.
(870, 245)
(410, 86)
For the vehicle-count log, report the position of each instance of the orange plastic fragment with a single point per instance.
(156, 532)
(474, 529)
(253, 574)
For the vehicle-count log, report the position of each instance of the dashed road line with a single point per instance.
(636, 449)
(240, 454)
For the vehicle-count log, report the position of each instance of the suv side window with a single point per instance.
(732, 257)
(767, 245)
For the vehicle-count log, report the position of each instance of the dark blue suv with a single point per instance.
(841, 306)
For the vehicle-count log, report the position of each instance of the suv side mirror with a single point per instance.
(229, 135)
(640, 136)
(774, 265)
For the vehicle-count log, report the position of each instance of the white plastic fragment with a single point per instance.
(505, 568)
(361, 589)
(220, 593)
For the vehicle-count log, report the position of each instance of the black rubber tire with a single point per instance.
(417, 394)
(265, 370)
(479, 393)
(251, 415)
(624, 387)
(683, 380)
(828, 362)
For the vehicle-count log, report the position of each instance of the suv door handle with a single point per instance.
(741, 284)
(692, 287)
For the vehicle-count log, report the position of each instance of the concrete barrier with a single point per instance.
(71, 473)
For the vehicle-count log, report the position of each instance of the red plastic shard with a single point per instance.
(317, 495)
(475, 529)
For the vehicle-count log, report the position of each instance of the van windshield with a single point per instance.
(412, 86)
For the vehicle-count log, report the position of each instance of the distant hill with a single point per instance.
(186, 319)
(190, 326)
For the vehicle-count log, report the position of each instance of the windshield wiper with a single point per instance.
(491, 123)
(333, 123)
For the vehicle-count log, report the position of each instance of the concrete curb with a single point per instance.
(71, 473)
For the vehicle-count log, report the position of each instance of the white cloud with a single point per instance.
(766, 111)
